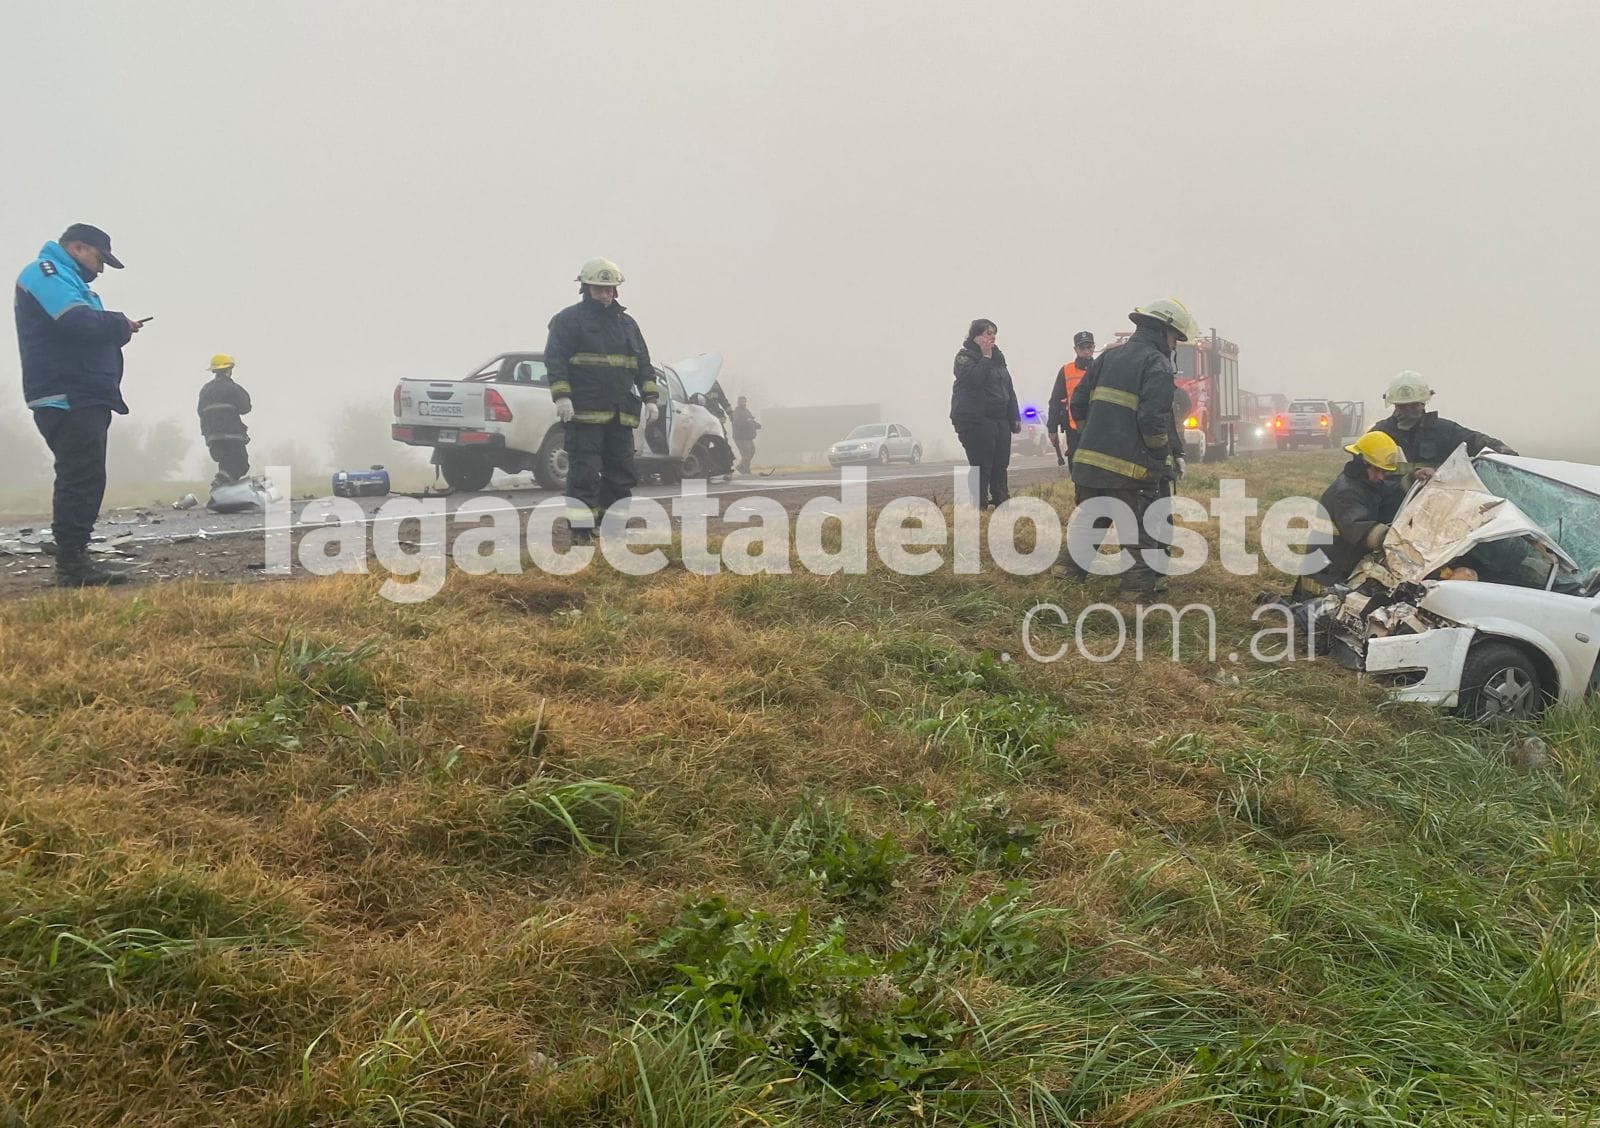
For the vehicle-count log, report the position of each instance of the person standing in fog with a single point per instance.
(983, 409)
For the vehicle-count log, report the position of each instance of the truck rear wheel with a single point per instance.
(550, 463)
(468, 470)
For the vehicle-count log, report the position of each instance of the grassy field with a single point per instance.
(696, 851)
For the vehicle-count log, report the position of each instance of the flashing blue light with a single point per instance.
(1030, 413)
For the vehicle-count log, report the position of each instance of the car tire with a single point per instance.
(883, 456)
(468, 470)
(1500, 683)
(1283, 444)
(700, 462)
(916, 455)
(550, 463)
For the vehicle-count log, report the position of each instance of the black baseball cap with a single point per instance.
(1083, 337)
(96, 238)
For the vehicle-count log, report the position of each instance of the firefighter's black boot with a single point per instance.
(75, 568)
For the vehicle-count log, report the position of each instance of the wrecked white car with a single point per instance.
(1485, 597)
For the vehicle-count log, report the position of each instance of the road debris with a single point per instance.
(237, 497)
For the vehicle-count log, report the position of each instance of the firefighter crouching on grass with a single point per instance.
(222, 402)
(1123, 406)
(1425, 439)
(603, 384)
(1361, 503)
(1059, 418)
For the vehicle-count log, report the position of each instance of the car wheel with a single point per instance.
(1283, 444)
(550, 464)
(701, 462)
(468, 470)
(883, 456)
(916, 455)
(1500, 683)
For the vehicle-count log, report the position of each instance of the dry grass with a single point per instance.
(293, 855)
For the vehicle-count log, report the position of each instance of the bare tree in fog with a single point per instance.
(147, 452)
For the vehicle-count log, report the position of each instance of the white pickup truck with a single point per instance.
(501, 417)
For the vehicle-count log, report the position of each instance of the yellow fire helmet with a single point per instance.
(1378, 450)
(220, 362)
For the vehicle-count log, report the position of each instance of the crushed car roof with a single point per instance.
(1449, 515)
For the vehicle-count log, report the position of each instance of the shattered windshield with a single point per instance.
(1569, 515)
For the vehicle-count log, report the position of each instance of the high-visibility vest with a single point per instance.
(1070, 375)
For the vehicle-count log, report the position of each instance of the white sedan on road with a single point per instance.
(882, 443)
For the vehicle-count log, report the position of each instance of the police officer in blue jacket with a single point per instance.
(71, 348)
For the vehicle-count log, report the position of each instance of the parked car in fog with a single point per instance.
(882, 443)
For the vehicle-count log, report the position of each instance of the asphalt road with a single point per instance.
(163, 545)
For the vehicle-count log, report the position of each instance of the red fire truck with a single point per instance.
(1208, 379)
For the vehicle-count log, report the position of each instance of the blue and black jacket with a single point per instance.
(71, 345)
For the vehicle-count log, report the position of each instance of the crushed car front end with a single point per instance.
(1472, 605)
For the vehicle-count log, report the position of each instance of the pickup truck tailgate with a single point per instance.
(441, 403)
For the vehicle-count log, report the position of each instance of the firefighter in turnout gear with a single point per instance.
(603, 385)
(1425, 438)
(1059, 417)
(222, 403)
(1360, 503)
(1123, 406)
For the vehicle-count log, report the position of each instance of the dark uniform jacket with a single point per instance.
(1123, 408)
(597, 357)
(744, 424)
(1433, 439)
(71, 345)
(1357, 508)
(222, 402)
(983, 391)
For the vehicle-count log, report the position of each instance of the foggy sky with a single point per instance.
(342, 194)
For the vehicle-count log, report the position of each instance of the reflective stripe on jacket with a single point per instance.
(1123, 406)
(597, 358)
(222, 402)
